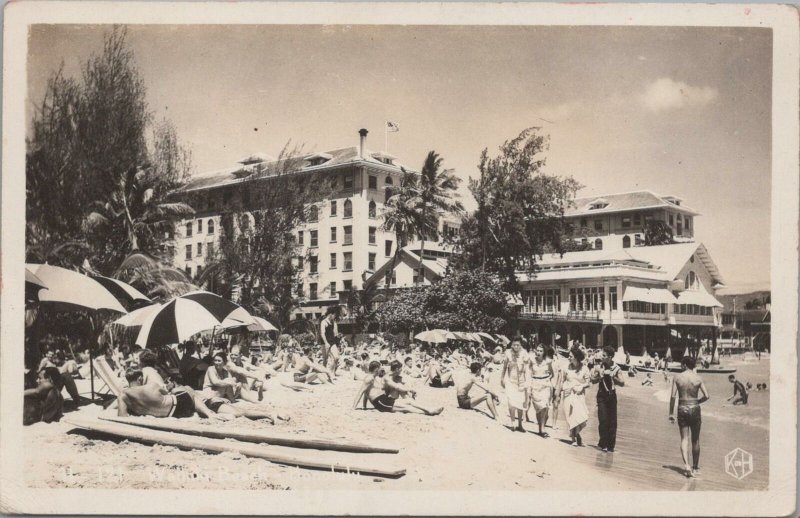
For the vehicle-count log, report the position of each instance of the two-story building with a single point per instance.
(620, 291)
(342, 241)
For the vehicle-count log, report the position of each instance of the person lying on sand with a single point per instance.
(464, 381)
(308, 371)
(160, 401)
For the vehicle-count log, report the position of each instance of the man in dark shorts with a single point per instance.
(739, 392)
(44, 403)
(464, 383)
(155, 400)
(691, 392)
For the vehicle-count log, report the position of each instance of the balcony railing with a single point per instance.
(645, 316)
(572, 316)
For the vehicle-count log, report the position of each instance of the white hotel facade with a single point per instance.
(342, 243)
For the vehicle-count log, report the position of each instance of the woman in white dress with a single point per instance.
(576, 381)
(540, 387)
(515, 367)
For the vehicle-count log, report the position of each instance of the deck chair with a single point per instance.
(110, 382)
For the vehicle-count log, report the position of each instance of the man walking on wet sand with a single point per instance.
(691, 392)
(606, 375)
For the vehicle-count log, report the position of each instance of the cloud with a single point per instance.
(560, 112)
(666, 94)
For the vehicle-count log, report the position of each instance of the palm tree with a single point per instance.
(401, 214)
(437, 193)
(359, 306)
(134, 217)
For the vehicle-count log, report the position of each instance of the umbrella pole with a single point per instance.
(91, 361)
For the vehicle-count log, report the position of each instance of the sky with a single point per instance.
(678, 111)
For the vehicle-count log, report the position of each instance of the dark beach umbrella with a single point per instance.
(123, 292)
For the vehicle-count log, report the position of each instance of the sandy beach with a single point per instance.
(458, 450)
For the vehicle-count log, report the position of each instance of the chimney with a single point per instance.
(363, 133)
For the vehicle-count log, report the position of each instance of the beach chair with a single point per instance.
(111, 383)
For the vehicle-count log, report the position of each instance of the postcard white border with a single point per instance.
(778, 500)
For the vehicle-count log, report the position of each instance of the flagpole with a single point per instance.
(386, 137)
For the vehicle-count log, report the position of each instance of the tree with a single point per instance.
(257, 254)
(520, 213)
(360, 306)
(437, 193)
(98, 169)
(657, 232)
(465, 300)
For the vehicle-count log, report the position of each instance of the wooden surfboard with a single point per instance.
(190, 442)
(256, 436)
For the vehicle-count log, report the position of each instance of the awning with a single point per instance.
(652, 295)
(698, 298)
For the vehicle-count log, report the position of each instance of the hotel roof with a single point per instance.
(661, 262)
(333, 158)
(627, 201)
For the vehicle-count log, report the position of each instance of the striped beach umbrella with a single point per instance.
(68, 290)
(122, 291)
(137, 317)
(185, 316)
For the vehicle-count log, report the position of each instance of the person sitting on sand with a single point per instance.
(247, 375)
(308, 371)
(437, 377)
(68, 369)
(400, 393)
(740, 395)
(647, 381)
(44, 403)
(374, 390)
(151, 399)
(464, 381)
(688, 386)
(409, 370)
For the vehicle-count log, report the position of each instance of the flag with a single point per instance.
(392, 126)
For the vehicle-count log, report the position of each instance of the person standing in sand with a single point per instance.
(540, 387)
(515, 366)
(688, 386)
(576, 381)
(606, 375)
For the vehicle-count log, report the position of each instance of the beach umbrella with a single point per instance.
(503, 340)
(187, 315)
(68, 290)
(137, 317)
(261, 324)
(123, 292)
(32, 286)
(435, 336)
(487, 336)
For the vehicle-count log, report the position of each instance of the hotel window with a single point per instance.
(687, 222)
(199, 249)
(348, 181)
(371, 262)
(312, 291)
(348, 235)
(189, 228)
(671, 220)
(333, 261)
(210, 249)
(313, 263)
(598, 244)
(300, 237)
(333, 209)
(210, 226)
(598, 224)
(332, 288)
(199, 270)
(333, 234)
(637, 219)
(545, 301)
(348, 261)
(612, 297)
(313, 214)
(199, 226)
(300, 292)
(372, 239)
(189, 271)
(373, 209)
(300, 263)
(373, 182)
(347, 285)
(348, 209)
(188, 252)
(387, 248)
(626, 222)
(626, 242)
(314, 239)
